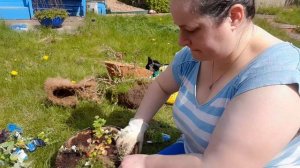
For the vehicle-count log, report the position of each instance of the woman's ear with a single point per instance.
(236, 15)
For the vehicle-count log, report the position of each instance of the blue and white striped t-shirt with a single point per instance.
(279, 64)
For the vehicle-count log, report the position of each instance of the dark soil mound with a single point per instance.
(86, 143)
(134, 96)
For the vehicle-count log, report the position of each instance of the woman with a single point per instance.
(238, 104)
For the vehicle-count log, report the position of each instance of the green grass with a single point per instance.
(76, 56)
(288, 15)
(268, 10)
(276, 32)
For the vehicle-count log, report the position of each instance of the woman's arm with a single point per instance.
(157, 94)
(254, 128)
(162, 161)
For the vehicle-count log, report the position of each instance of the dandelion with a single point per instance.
(45, 57)
(153, 39)
(13, 73)
(74, 82)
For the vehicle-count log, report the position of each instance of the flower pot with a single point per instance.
(87, 142)
(54, 23)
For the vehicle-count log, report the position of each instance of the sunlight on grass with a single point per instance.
(288, 15)
(42, 53)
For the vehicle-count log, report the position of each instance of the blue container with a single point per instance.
(101, 8)
(19, 27)
(55, 23)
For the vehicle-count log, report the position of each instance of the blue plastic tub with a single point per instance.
(101, 8)
(54, 23)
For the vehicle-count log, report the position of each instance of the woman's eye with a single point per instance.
(192, 30)
(189, 30)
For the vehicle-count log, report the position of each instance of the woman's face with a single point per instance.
(206, 40)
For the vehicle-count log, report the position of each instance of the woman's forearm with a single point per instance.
(153, 99)
(174, 161)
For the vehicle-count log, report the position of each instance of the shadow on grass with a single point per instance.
(83, 116)
(154, 134)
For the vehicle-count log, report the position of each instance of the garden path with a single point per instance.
(116, 5)
(70, 24)
(290, 29)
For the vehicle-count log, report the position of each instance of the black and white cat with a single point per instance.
(155, 66)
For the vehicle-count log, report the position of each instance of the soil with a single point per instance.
(71, 159)
(132, 99)
(65, 93)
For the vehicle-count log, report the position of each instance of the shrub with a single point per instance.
(51, 14)
(161, 6)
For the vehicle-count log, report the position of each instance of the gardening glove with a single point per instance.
(131, 135)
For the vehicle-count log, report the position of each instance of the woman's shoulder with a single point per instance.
(279, 56)
(278, 64)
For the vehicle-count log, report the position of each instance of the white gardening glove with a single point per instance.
(131, 135)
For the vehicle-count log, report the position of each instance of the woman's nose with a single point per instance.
(183, 39)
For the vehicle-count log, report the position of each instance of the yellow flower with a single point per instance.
(74, 82)
(13, 73)
(45, 57)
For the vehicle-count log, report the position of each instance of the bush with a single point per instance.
(161, 6)
(51, 14)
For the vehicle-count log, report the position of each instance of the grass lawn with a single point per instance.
(76, 56)
(283, 15)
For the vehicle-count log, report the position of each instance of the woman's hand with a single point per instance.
(134, 161)
(131, 135)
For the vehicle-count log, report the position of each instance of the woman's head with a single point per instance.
(219, 9)
(212, 28)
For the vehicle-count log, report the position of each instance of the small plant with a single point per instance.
(98, 147)
(98, 126)
(51, 14)
(106, 134)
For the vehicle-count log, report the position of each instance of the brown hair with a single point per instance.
(219, 9)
